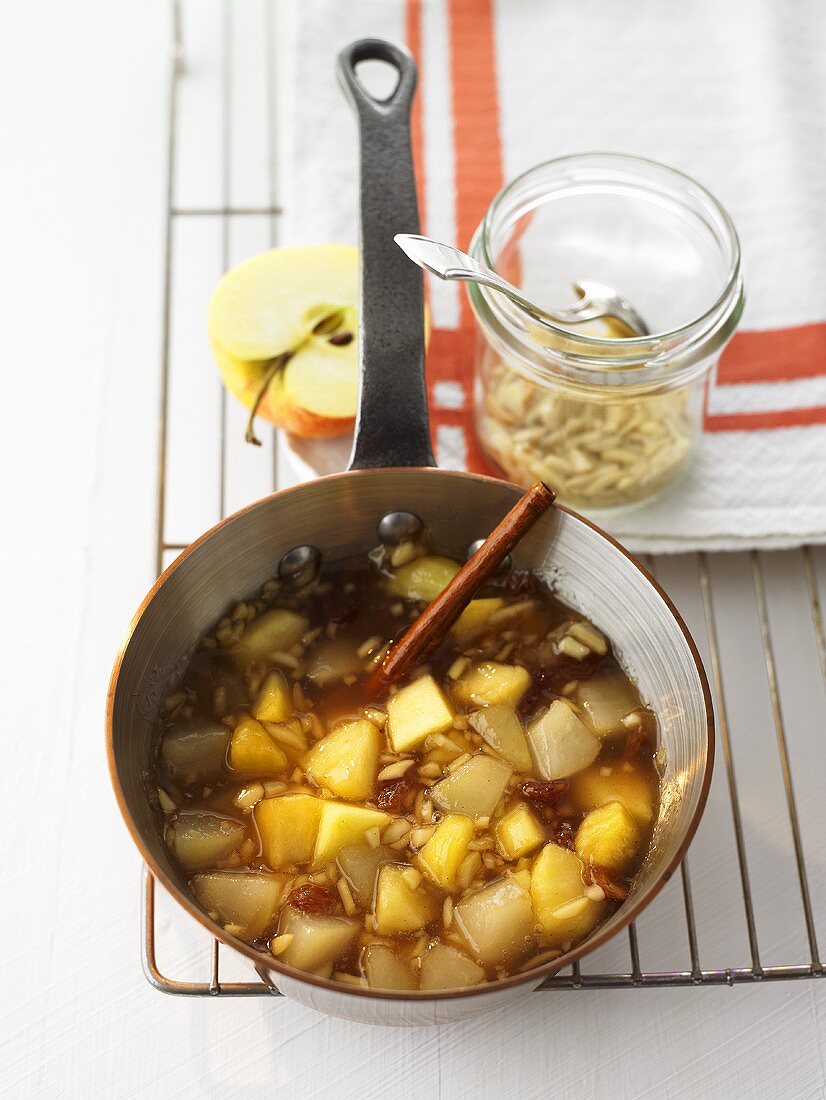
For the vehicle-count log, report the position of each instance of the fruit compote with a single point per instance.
(482, 818)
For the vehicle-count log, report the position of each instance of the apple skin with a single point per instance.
(244, 378)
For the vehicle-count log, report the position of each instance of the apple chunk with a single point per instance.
(340, 824)
(519, 832)
(253, 753)
(403, 901)
(622, 783)
(288, 826)
(424, 578)
(275, 699)
(559, 901)
(441, 856)
(608, 836)
(491, 682)
(417, 711)
(346, 760)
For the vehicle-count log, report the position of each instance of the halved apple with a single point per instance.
(299, 304)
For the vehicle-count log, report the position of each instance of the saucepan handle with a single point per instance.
(392, 424)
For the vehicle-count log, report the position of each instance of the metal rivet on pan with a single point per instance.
(503, 568)
(396, 527)
(300, 565)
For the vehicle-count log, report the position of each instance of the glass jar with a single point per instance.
(607, 419)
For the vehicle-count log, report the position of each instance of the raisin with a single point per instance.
(639, 739)
(611, 884)
(542, 681)
(395, 796)
(311, 898)
(519, 582)
(543, 791)
(563, 833)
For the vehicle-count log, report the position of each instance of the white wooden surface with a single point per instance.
(82, 200)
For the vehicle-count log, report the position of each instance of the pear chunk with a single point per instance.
(417, 711)
(199, 841)
(247, 899)
(331, 660)
(490, 682)
(346, 760)
(474, 788)
(359, 863)
(272, 632)
(560, 743)
(196, 753)
(498, 922)
(317, 940)
(385, 970)
(605, 700)
(445, 967)
(500, 727)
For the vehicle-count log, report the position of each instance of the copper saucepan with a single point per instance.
(392, 469)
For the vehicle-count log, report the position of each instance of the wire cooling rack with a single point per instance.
(749, 899)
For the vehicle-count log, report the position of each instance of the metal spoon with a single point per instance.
(596, 299)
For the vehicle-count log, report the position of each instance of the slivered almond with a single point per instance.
(346, 895)
(366, 648)
(167, 805)
(394, 771)
(279, 944)
(570, 909)
(396, 830)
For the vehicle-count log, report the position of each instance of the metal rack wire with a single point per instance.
(679, 920)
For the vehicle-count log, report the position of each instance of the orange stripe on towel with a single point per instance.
(774, 355)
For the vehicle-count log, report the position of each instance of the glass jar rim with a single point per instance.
(634, 347)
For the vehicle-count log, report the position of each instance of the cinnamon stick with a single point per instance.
(438, 617)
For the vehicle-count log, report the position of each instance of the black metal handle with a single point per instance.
(392, 424)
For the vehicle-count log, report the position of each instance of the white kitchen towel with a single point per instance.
(733, 94)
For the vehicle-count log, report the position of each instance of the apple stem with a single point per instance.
(274, 367)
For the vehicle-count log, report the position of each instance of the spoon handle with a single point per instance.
(439, 616)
